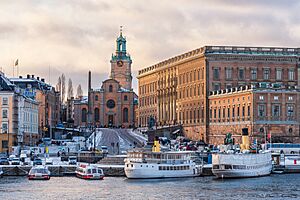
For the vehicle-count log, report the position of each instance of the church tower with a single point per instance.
(121, 64)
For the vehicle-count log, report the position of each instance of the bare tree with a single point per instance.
(70, 89)
(79, 91)
(63, 88)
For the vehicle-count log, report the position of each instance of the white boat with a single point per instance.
(292, 164)
(169, 164)
(39, 173)
(239, 165)
(89, 172)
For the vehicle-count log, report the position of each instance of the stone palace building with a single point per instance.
(179, 90)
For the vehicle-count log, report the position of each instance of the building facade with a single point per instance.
(46, 96)
(113, 105)
(18, 117)
(266, 113)
(176, 91)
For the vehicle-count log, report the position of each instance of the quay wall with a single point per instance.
(59, 170)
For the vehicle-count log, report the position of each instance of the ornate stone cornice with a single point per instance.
(230, 53)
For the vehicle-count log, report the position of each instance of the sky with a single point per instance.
(51, 37)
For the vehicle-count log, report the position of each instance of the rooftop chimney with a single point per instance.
(28, 76)
(42, 79)
(20, 76)
(38, 78)
(32, 76)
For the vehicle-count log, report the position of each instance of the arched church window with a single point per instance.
(125, 115)
(96, 117)
(83, 114)
(110, 89)
(96, 98)
(125, 98)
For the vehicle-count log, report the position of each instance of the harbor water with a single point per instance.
(277, 186)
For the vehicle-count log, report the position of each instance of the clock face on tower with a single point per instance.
(120, 63)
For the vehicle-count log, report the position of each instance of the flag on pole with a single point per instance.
(17, 62)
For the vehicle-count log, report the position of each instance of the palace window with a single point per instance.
(276, 110)
(96, 98)
(228, 73)
(125, 98)
(290, 98)
(266, 74)
(291, 74)
(253, 74)
(290, 110)
(278, 74)
(241, 74)
(261, 110)
(216, 86)
(276, 98)
(216, 74)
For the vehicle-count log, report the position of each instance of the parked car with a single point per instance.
(72, 160)
(37, 161)
(39, 173)
(23, 157)
(49, 161)
(15, 161)
(11, 157)
(4, 161)
(104, 149)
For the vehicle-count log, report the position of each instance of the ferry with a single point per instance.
(230, 164)
(89, 172)
(39, 173)
(143, 164)
(238, 165)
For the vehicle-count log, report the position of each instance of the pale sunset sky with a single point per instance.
(74, 36)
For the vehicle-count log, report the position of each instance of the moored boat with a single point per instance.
(39, 173)
(239, 165)
(89, 172)
(141, 163)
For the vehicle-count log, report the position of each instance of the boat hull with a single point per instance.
(137, 172)
(82, 176)
(241, 165)
(242, 173)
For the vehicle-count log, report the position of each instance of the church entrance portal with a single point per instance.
(110, 120)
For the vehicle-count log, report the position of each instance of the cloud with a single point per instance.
(75, 36)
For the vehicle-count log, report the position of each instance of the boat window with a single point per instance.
(228, 167)
(159, 168)
(100, 171)
(141, 165)
(215, 166)
(127, 165)
(94, 171)
(168, 168)
(131, 165)
(89, 171)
